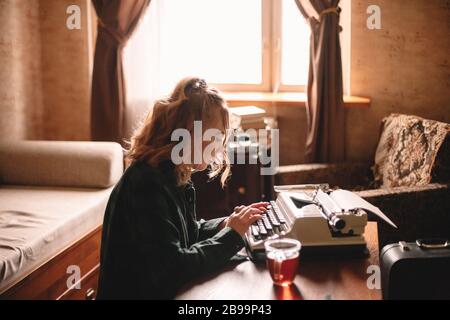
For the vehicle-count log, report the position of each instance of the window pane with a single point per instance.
(295, 45)
(215, 39)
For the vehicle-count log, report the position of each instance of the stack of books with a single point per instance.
(248, 117)
(252, 117)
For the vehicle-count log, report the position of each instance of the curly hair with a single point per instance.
(191, 100)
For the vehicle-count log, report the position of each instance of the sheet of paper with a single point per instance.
(351, 201)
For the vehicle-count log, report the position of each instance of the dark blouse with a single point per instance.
(152, 243)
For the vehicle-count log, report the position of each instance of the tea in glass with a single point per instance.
(282, 257)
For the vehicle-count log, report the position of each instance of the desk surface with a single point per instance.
(339, 279)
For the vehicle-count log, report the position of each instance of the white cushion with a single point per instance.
(61, 163)
(36, 223)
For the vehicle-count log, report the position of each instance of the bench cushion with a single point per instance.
(37, 223)
(61, 163)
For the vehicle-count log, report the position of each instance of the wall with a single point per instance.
(66, 71)
(21, 102)
(292, 125)
(404, 67)
(45, 71)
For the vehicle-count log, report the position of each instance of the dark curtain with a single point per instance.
(325, 106)
(117, 20)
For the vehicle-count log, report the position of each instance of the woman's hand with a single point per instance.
(243, 216)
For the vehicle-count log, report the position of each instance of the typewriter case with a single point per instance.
(416, 270)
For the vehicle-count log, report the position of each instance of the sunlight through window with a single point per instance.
(295, 45)
(230, 43)
(215, 39)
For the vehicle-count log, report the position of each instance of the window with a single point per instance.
(216, 39)
(251, 45)
(295, 34)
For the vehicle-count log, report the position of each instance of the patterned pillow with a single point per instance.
(407, 150)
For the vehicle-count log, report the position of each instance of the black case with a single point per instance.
(416, 270)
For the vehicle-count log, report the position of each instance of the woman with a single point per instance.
(152, 243)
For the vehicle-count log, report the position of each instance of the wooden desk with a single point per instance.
(338, 279)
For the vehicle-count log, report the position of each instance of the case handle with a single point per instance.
(433, 243)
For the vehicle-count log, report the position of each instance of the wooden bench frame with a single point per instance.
(49, 280)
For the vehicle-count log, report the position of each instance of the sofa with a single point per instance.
(408, 179)
(52, 199)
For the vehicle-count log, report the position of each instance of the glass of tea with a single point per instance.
(282, 260)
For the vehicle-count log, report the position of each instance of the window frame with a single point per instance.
(271, 52)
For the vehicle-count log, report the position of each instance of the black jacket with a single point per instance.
(152, 243)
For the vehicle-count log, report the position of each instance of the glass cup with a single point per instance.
(282, 260)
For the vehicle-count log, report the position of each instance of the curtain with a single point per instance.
(325, 106)
(116, 22)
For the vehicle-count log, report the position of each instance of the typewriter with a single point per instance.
(324, 221)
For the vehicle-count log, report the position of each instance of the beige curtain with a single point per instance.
(117, 20)
(325, 107)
